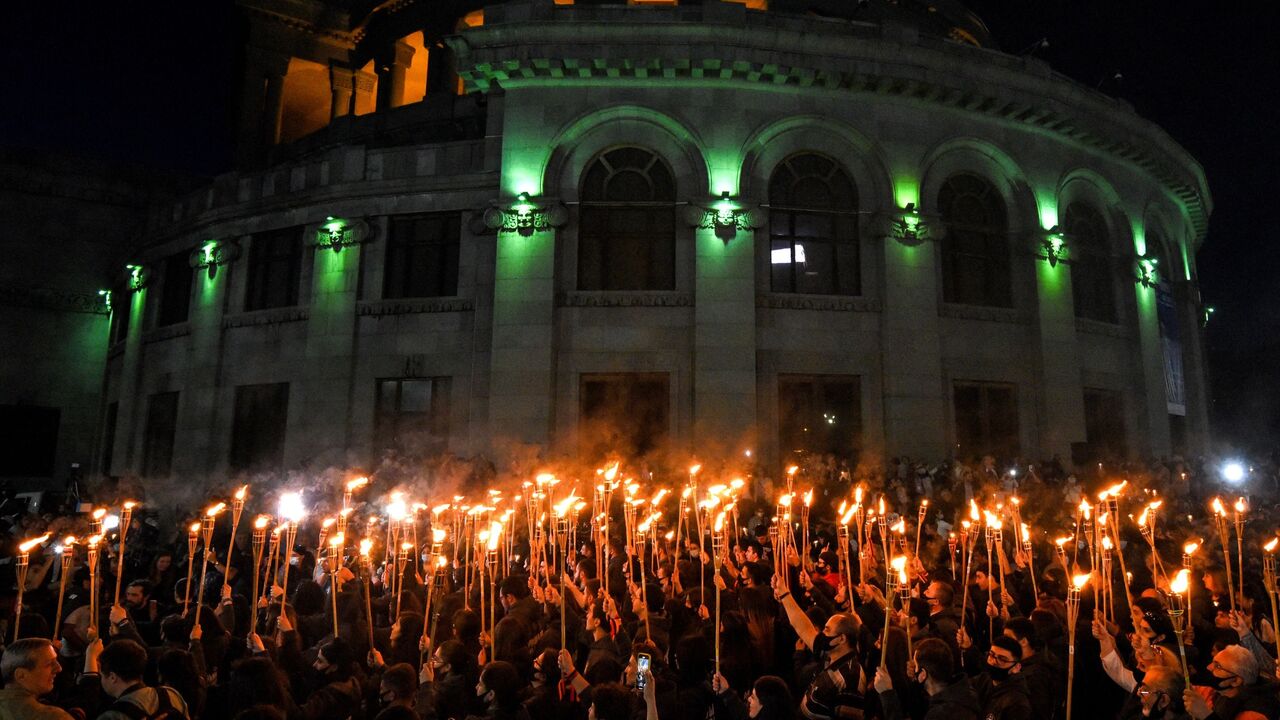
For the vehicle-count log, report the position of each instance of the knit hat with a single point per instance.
(1238, 661)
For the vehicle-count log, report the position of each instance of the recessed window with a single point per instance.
(820, 414)
(986, 417)
(813, 228)
(627, 223)
(412, 415)
(975, 243)
(162, 426)
(275, 269)
(422, 255)
(1093, 287)
(121, 308)
(1104, 425)
(626, 413)
(175, 290)
(258, 426)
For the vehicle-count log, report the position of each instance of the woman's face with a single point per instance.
(753, 704)
(163, 562)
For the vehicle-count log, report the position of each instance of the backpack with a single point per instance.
(164, 711)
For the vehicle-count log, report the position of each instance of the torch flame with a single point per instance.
(1179, 583)
(357, 483)
(1217, 506)
(438, 535)
(244, 489)
(1240, 506)
(785, 500)
(847, 515)
(93, 541)
(1142, 519)
(328, 523)
(1106, 542)
(973, 511)
(693, 469)
(808, 497)
(194, 528)
(397, 509)
(1079, 581)
(215, 509)
(657, 498)
(1271, 546)
(900, 526)
(1026, 533)
(737, 483)
(857, 495)
(1190, 548)
(366, 545)
(290, 507)
(130, 504)
(882, 505)
(99, 513)
(719, 526)
(1063, 540)
(791, 469)
(495, 534)
(899, 563)
(26, 546)
(562, 507)
(261, 522)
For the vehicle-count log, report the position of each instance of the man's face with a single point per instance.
(1225, 679)
(931, 597)
(753, 704)
(39, 680)
(134, 597)
(751, 554)
(998, 657)
(1152, 701)
(321, 664)
(1026, 649)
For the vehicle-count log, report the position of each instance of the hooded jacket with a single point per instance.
(1007, 701)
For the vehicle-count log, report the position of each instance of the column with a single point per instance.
(1151, 363)
(915, 416)
(201, 449)
(1061, 404)
(341, 90)
(1193, 367)
(724, 354)
(363, 85)
(441, 74)
(522, 376)
(391, 65)
(131, 413)
(260, 103)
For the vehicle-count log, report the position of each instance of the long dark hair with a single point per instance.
(775, 699)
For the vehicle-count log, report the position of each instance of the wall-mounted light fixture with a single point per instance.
(105, 297)
(1206, 313)
(213, 255)
(908, 226)
(338, 233)
(524, 216)
(1054, 246)
(1147, 276)
(725, 215)
(139, 277)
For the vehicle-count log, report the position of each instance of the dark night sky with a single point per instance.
(153, 82)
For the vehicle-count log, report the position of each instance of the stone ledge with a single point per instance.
(977, 312)
(54, 299)
(274, 316)
(167, 332)
(378, 308)
(838, 303)
(1094, 327)
(655, 298)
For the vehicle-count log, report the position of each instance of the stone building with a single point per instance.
(782, 226)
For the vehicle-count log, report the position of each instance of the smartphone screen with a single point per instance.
(642, 669)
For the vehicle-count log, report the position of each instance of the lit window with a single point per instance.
(813, 229)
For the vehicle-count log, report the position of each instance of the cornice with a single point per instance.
(54, 299)
(559, 45)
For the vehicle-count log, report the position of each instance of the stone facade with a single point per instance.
(722, 94)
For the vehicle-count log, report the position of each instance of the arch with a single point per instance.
(859, 157)
(813, 227)
(1085, 185)
(627, 222)
(1171, 227)
(583, 138)
(977, 156)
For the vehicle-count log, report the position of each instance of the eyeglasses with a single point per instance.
(993, 655)
(1146, 692)
(1215, 666)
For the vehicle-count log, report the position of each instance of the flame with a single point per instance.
(397, 509)
(719, 526)
(785, 500)
(1240, 506)
(336, 540)
(1155, 505)
(791, 470)
(737, 484)
(1217, 506)
(441, 561)
(1106, 542)
(973, 511)
(657, 498)
(26, 546)
(1063, 540)
(717, 490)
(439, 509)
(1179, 583)
(1115, 490)
(966, 525)
(562, 507)
(671, 535)
(93, 541)
(1079, 581)
(1142, 519)
(899, 562)
(215, 509)
(633, 488)
(437, 535)
(1026, 533)
(290, 507)
(194, 528)
(644, 526)
(328, 523)
(900, 526)
(857, 495)
(495, 534)
(1271, 546)
(1190, 548)
(130, 504)
(882, 505)
(1015, 500)
(261, 522)
(357, 483)
(244, 490)
(366, 545)
(847, 516)
(693, 469)
(99, 513)
(111, 522)
(69, 540)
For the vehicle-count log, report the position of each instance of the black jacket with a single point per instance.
(957, 701)
(1007, 701)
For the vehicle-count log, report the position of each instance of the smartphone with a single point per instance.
(642, 669)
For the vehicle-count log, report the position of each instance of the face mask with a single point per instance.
(821, 644)
(1221, 683)
(999, 674)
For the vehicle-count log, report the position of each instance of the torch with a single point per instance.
(126, 517)
(193, 540)
(1239, 523)
(269, 573)
(237, 507)
(1031, 563)
(335, 562)
(842, 534)
(1073, 614)
(1269, 579)
(24, 557)
(68, 553)
(1107, 590)
(891, 586)
(951, 551)
(440, 562)
(717, 547)
(1224, 536)
(921, 514)
(402, 559)
(206, 528)
(93, 583)
(259, 541)
(350, 487)
(904, 597)
(562, 537)
(1060, 545)
(367, 562)
(804, 526)
(491, 560)
(1177, 616)
(96, 519)
(1188, 551)
(292, 511)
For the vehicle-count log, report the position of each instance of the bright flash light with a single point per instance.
(1233, 472)
(111, 522)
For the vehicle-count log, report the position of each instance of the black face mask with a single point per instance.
(821, 644)
(1220, 684)
(999, 674)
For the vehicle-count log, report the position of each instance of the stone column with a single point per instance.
(522, 376)
(724, 341)
(131, 413)
(1193, 370)
(260, 103)
(915, 413)
(363, 85)
(273, 111)
(441, 74)
(1151, 365)
(1061, 404)
(391, 65)
(341, 90)
(202, 449)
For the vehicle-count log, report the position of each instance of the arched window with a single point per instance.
(627, 223)
(975, 246)
(813, 228)
(1092, 281)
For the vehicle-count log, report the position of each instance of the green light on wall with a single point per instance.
(138, 277)
(106, 299)
(1148, 277)
(338, 233)
(906, 191)
(1054, 246)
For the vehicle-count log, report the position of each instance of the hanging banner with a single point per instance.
(1171, 345)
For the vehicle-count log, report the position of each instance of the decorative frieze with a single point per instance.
(275, 316)
(829, 303)
(168, 332)
(1094, 327)
(978, 312)
(378, 308)
(624, 299)
(54, 299)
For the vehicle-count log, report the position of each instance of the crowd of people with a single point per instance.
(679, 632)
